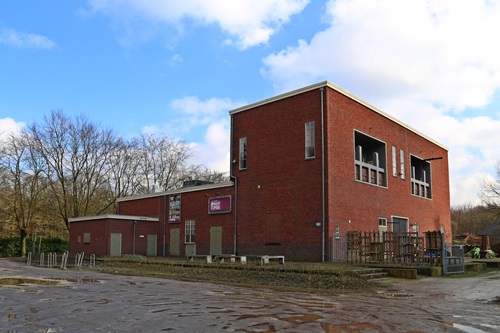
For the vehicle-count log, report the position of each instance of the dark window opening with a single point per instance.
(370, 160)
(420, 178)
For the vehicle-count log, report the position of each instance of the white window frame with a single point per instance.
(394, 165)
(243, 153)
(310, 150)
(370, 168)
(421, 185)
(190, 234)
(402, 163)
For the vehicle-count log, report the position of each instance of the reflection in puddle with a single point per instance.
(16, 281)
(468, 329)
(19, 281)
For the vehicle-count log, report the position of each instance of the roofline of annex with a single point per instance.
(178, 191)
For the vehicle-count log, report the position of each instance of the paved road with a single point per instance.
(87, 301)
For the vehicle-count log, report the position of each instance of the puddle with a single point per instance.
(79, 280)
(20, 281)
(468, 329)
(16, 281)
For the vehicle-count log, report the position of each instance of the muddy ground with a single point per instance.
(34, 299)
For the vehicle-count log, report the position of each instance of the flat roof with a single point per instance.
(179, 191)
(343, 92)
(116, 217)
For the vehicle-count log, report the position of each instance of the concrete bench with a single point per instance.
(210, 258)
(264, 259)
(231, 257)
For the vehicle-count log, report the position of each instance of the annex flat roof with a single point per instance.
(343, 92)
(115, 217)
(179, 191)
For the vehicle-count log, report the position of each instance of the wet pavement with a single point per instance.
(34, 299)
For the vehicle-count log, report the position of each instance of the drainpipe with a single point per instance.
(133, 242)
(323, 190)
(235, 210)
(231, 176)
(164, 225)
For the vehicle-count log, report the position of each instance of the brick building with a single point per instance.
(305, 166)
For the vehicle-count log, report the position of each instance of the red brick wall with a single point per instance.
(194, 206)
(99, 243)
(100, 231)
(362, 203)
(278, 179)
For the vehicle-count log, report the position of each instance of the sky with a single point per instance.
(176, 68)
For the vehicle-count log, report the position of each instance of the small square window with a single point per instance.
(86, 238)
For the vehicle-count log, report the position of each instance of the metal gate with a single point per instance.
(338, 246)
(454, 259)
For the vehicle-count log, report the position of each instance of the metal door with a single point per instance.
(152, 245)
(115, 247)
(215, 240)
(175, 236)
(399, 225)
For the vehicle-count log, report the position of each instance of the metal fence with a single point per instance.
(454, 259)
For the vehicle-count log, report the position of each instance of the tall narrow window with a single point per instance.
(402, 163)
(190, 231)
(394, 165)
(243, 153)
(310, 153)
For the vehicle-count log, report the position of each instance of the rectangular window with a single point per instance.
(86, 238)
(402, 163)
(309, 140)
(243, 153)
(370, 160)
(190, 231)
(420, 178)
(394, 165)
(382, 222)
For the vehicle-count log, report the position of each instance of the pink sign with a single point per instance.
(219, 205)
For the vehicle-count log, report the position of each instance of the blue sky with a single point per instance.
(177, 68)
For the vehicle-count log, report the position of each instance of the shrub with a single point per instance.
(11, 246)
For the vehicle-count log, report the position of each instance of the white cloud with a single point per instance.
(27, 40)
(248, 22)
(9, 126)
(175, 60)
(424, 62)
(213, 152)
(196, 112)
(209, 117)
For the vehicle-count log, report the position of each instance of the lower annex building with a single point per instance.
(306, 166)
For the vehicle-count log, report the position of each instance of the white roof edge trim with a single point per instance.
(343, 92)
(178, 191)
(115, 216)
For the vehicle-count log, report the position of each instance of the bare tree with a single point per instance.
(467, 218)
(77, 156)
(22, 184)
(161, 162)
(201, 172)
(490, 192)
